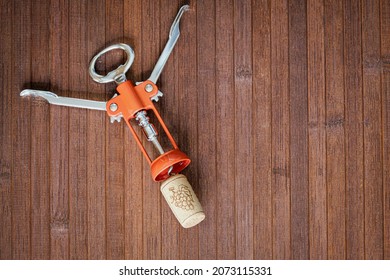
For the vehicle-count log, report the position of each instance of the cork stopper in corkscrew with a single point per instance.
(181, 198)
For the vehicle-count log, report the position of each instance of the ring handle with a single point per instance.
(118, 75)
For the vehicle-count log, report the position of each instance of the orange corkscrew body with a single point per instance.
(132, 103)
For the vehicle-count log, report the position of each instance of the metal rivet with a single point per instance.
(113, 107)
(148, 88)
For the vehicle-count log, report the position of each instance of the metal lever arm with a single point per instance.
(54, 99)
(174, 34)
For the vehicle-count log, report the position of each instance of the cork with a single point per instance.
(181, 198)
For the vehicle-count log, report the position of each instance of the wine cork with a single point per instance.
(180, 197)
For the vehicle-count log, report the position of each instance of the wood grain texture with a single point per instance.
(262, 128)
(225, 133)
(298, 130)
(335, 128)
(6, 209)
(21, 146)
(354, 131)
(318, 228)
(243, 128)
(281, 179)
(282, 106)
(205, 21)
(385, 58)
(373, 188)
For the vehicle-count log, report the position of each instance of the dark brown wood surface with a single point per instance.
(283, 107)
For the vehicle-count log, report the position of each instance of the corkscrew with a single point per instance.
(133, 103)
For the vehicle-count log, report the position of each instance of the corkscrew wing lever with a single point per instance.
(54, 99)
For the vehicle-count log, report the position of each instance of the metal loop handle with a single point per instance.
(118, 75)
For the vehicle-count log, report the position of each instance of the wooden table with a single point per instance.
(283, 107)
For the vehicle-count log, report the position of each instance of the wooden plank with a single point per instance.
(96, 128)
(114, 143)
(385, 55)
(353, 131)
(225, 134)
(59, 133)
(40, 137)
(280, 131)
(298, 129)
(6, 21)
(151, 192)
(169, 110)
(96, 139)
(316, 131)
(243, 128)
(373, 180)
(78, 74)
(205, 44)
(21, 132)
(133, 157)
(262, 141)
(335, 122)
(59, 197)
(188, 110)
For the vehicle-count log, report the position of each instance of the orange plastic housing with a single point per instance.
(132, 99)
